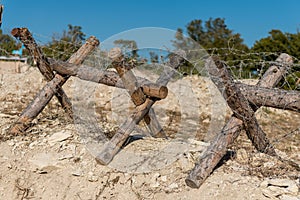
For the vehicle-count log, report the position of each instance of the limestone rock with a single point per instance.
(44, 162)
(278, 187)
(59, 136)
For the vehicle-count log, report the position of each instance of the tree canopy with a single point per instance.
(7, 44)
(214, 36)
(278, 42)
(64, 46)
(129, 46)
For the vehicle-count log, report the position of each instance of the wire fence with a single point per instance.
(281, 126)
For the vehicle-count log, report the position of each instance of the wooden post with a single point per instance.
(135, 91)
(256, 95)
(1, 11)
(37, 105)
(42, 63)
(241, 107)
(51, 88)
(112, 147)
(109, 78)
(217, 149)
(127, 76)
(152, 90)
(275, 98)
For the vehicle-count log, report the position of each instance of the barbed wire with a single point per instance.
(240, 68)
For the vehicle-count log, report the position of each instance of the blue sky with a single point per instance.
(252, 19)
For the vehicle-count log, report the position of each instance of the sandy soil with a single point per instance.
(53, 161)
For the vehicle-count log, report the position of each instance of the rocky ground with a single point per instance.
(55, 158)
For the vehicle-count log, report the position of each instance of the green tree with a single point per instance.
(215, 37)
(278, 42)
(153, 57)
(7, 44)
(63, 47)
(128, 46)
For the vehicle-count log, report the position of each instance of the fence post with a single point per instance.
(217, 149)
